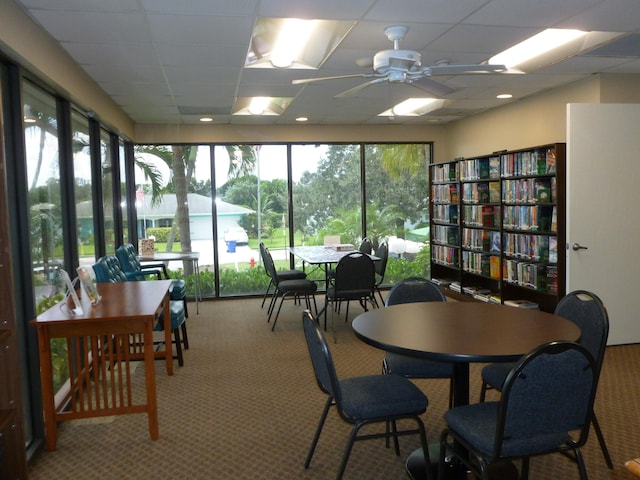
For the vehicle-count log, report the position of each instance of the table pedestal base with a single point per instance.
(416, 471)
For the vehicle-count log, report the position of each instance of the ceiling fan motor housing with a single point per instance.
(403, 60)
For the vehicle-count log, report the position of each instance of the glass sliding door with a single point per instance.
(327, 190)
(106, 163)
(252, 207)
(397, 206)
(82, 187)
(174, 206)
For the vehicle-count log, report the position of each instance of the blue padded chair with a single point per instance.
(283, 288)
(382, 253)
(355, 279)
(362, 400)
(134, 270)
(282, 274)
(109, 270)
(412, 290)
(587, 311)
(545, 407)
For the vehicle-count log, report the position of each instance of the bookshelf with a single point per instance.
(510, 223)
(445, 220)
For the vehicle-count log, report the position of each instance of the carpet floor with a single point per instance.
(245, 406)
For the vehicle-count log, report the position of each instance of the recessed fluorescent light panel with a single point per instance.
(549, 47)
(266, 106)
(293, 42)
(413, 107)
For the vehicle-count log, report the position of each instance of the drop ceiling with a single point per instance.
(172, 62)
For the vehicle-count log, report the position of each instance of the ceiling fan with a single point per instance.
(405, 66)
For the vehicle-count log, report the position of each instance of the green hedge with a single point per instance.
(161, 234)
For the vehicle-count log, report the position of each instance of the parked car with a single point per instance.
(236, 234)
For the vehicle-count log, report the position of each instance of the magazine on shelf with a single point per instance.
(522, 304)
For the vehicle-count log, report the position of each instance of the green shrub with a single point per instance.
(161, 234)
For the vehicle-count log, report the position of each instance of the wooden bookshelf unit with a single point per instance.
(498, 226)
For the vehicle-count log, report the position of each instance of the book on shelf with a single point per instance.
(494, 267)
(553, 249)
(483, 297)
(453, 193)
(443, 282)
(494, 167)
(522, 304)
(494, 192)
(456, 287)
(495, 299)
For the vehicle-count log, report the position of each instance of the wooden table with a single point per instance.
(193, 257)
(460, 333)
(101, 344)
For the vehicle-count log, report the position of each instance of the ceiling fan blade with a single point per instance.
(466, 69)
(431, 86)
(355, 90)
(320, 79)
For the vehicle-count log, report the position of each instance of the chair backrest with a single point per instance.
(128, 258)
(587, 311)
(355, 275)
(366, 246)
(413, 290)
(269, 265)
(108, 270)
(549, 393)
(381, 265)
(321, 359)
(263, 255)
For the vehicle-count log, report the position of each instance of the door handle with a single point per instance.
(577, 246)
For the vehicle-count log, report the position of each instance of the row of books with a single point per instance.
(531, 275)
(484, 294)
(481, 264)
(447, 193)
(530, 217)
(446, 213)
(539, 248)
(481, 192)
(529, 190)
(448, 256)
(481, 215)
(481, 240)
(445, 235)
(446, 172)
(540, 161)
(480, 168)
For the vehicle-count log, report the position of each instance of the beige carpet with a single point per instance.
(245, 406)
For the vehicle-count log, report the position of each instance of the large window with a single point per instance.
(82, 187)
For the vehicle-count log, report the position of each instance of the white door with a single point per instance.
(603, 214)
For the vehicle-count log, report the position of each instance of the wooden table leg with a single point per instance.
(46, 380)
(150, 380)
(168, 348)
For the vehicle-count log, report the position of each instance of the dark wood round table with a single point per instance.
(461, 333)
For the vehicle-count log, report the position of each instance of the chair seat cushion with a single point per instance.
(291, 275)
(348, 294)
(477, 423)
(413, 367)
(379, 396)
(178, 289)
(177, 316)
(495, 374)
(300, 285)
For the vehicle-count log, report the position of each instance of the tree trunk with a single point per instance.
(180, 181)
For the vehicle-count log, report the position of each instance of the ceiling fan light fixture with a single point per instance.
(291, 41)
(413, 107)
(540, 44)
(258, 105)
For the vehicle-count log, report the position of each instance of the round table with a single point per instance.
(460, 333)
